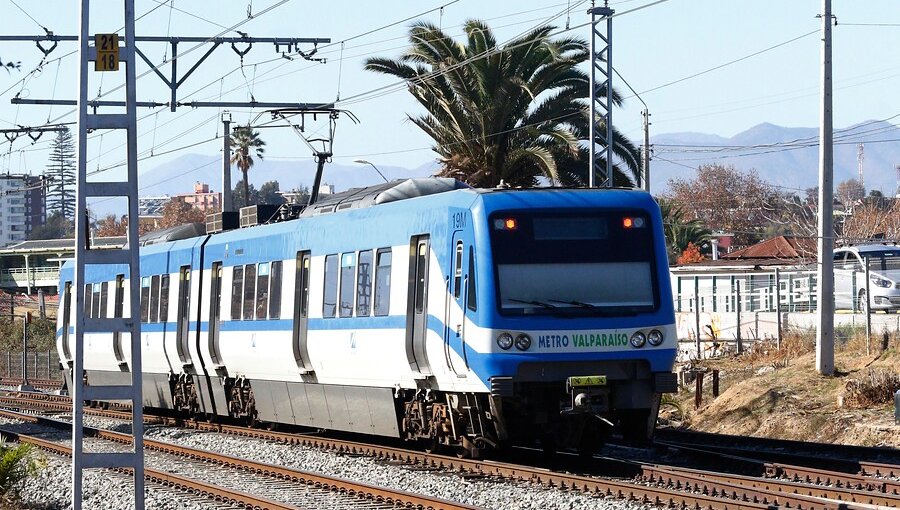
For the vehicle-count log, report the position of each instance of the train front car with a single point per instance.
(577, 336)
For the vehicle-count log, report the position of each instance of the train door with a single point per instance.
(182, 334)
(454, 329)
(301, 312)
(215, 312)
(67, 308)
(118, 307)
(417, 307)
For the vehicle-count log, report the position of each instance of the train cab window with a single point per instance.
(383, 282)
(471, 301)
(262, 290)
(329, 298)
(275, 290)
(88, 297)
(154, 298)
(145, 298)
(457, 269)
(249, 291)
(164, 298)
(348, 270)
(364, 284)
(237, 292)
(104, 287)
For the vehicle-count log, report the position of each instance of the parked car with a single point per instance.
(850, 277)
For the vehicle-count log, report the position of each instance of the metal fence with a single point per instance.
(39, 365)
(733, 310)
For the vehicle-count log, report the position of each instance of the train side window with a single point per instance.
(470, 297)
(237, 291)
(457, 269)
(95, 306)
(329, 299)
(145, 298)
(104, 288)
(164, 298)
(364, 284)
(348, 270)
(383, 282)
(67, 319)
(262, 290)
(88, 297)
(275, 291)
(249, 291)
(154, 298)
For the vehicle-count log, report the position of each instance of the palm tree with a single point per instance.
(679, 230)
(517, 114)
(246, 141)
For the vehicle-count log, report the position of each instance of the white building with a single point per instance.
(20, 207)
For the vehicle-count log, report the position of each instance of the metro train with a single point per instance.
(422, 309)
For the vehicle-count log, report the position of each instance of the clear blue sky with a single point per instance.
(653, 46)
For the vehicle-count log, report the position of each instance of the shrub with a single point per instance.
(874, 387)
(16, 464)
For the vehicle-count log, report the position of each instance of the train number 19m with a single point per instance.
(458, 220)
(107, 46)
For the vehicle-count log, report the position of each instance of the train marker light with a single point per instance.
(638, 339)
(506, 224)
(629, 222)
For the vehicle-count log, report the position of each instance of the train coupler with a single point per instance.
(588, 395)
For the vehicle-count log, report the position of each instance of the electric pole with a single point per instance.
(601, 97)
(645, 162)
(825, 290)
(227, 206)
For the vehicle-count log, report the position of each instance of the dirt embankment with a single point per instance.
(778, 393)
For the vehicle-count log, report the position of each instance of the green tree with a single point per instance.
(269, 193)
(61, 172)
(247, 144)
(239, 192)
(517, 114)
(680, 231)
(57, 226)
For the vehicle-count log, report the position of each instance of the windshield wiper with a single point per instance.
(537, 303)
(576, 303)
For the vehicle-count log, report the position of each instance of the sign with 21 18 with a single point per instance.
(107, 46)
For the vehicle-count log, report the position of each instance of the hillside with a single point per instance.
(794, 165)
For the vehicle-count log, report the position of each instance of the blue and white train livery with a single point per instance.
(419, 309)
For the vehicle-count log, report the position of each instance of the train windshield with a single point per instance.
(556, 263)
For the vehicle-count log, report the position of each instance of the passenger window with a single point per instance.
(275, 291)
(249, 290)
(88, 298)
(237, 292)
(104, 287)
(348, 270)
(154, 298)
(457, 269)
(421, 274)
(164, 298)
(95, 306)
(262, 290)
(364, 284)
(383, 282)
(470, 297)
(329, 301)
(145, 298)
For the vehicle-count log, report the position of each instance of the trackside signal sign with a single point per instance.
(107, 46)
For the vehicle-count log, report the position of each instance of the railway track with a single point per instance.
(780, 485)
(299, 488)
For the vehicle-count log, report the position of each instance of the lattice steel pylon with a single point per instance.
(126, 259)
(601, 98)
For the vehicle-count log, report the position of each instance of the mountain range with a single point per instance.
(784, 156)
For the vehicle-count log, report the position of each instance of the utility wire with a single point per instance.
(30, 16)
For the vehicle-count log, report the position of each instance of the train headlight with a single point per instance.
(505, 341)
(655, 337)
(638, 339)
(523, 342)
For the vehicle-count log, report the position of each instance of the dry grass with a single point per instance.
(875, 386)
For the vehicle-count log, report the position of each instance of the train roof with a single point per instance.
(358, 198)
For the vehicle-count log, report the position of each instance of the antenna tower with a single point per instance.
(860, 158)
